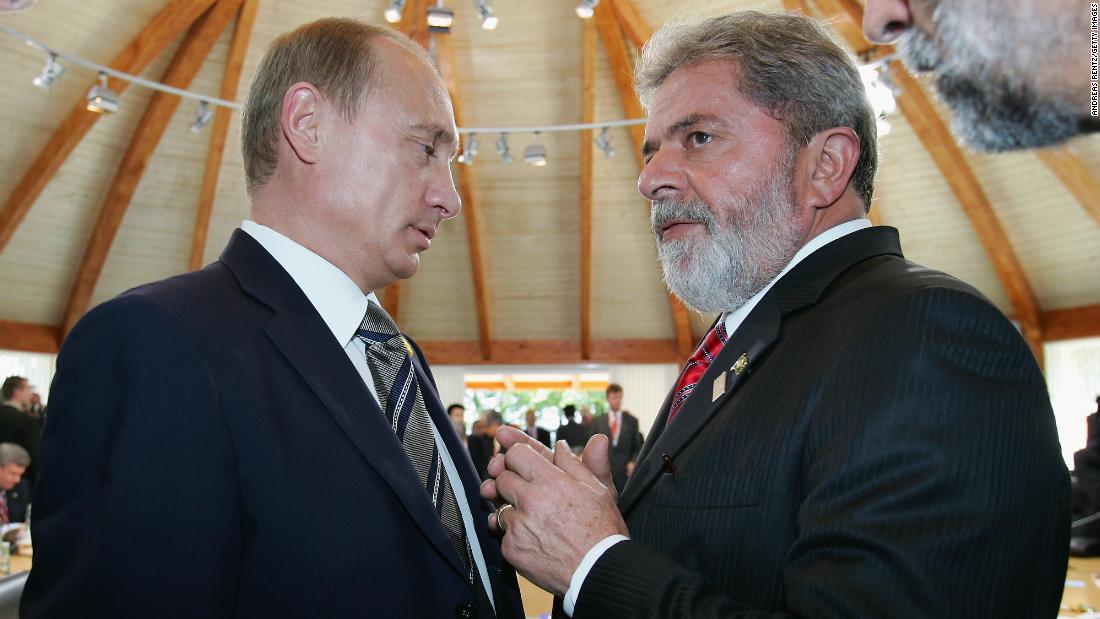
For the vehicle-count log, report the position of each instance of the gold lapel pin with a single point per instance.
(741, 364)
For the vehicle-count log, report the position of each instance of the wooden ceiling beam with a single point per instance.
(162, 30)
(633, 25)
(469, 205)
(29, 337)
(1076, 177)
(188, 60)
(588, 115)
(219, 129)
(953, 165)
(557, 352)
(1071, 324)
(621, 69)
(618, 57)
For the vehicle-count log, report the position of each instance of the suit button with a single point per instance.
(465, 610)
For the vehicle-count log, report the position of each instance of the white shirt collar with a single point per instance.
(337, 299)
(736, 317)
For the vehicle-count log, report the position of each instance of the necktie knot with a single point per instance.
(377, 327)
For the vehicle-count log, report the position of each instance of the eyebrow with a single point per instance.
(680, 126)
(439, 134)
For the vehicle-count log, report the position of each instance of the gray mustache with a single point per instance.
(664, 211)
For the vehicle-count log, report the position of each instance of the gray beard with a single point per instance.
(738, 256)
(993, 107)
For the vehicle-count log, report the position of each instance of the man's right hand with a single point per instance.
(595, 457)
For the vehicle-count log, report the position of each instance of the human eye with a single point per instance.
(699, 138)
(429, 150)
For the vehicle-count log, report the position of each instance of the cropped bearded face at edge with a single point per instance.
(11, 6)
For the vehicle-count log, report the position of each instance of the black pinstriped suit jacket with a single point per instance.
(889, 451)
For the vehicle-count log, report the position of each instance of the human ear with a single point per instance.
(300, 121)
(833, 154)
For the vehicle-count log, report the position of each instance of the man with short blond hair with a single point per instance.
(257, 438)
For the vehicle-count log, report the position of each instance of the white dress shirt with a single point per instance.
(342, 305)
(733, 320)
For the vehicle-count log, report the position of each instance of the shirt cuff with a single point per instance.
(593, 555)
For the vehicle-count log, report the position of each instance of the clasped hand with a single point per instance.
(563, 505)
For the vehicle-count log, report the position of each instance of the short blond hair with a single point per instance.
(334, 54)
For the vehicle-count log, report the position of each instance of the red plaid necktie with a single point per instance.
(697, 366)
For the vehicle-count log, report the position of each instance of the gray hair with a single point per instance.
(336, 55)
(787, 64)
(10, 453)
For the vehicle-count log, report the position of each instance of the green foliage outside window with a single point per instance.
(548, 404)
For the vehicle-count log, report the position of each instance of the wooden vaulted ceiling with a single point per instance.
(543, 266)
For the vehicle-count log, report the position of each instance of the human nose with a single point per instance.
(443, 194)
(661, 176)
(886, 20)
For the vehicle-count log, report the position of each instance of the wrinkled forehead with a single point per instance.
(708, 88)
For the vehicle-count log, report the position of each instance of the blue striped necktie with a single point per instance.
(389, 358)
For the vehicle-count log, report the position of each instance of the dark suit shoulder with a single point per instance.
(206, 291)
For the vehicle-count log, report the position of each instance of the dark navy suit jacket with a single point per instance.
(212, 452)
(882, 445)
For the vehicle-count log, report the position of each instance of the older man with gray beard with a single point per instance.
(856, 435)
(1014, 74)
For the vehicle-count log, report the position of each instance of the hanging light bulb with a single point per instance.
(50, 73)
(202, 117)
(101, 99)
(440, 18)
(470, 152)
(603, 141)
(394, 11)
(535, 154)
(502, 149)
(587, 8)
(488, 18)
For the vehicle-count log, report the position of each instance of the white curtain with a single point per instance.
(38, 368)
(1073, 377)
(644, 385)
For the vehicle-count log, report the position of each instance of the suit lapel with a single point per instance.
(298, 331)
(799, 288)
(755, 336)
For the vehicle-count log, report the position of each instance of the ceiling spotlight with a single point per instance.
(50, 73)
(488, 19)
(586, 8)
(470, 152)
(502, 149)
(202, 118)
(603, 141)
(394, 11)
(440, 18)
(101, 99)
(535, 154)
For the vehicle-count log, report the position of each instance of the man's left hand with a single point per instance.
(561, 510)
